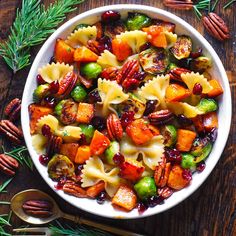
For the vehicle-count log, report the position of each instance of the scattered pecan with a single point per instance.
(72, 188)
(165, 192)
(12, 110)
(53, 145)
(161, 173)
(13, 133)
(179, 4)
(114, 127)
(8, 165)
(109, 73)
(175, 74)
(111, 30)
(93, 45)
(216, 26)
(38, 208)
(99, 29)
(160, 117)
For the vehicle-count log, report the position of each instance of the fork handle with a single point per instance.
(107, 228)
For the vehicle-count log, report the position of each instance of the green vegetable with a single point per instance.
(111, 151)
(60, 166)
(145, 188)
(40, 92)
(171, 66)
(88, 131)
(207, 105)
(91, 70)
(182, 48)
(79, 26)
(154, 60)
(169, 133)
(205, 153)
(200, 64)
(137, 21)
(58, 107)
(78, 93)
(188, 161)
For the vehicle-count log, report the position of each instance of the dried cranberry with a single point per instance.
(82, 140)
(126, 118)
(212, 135)
(61, 182)
(101, 198)
(196, 54)
(145, 47)
(187, 174)
(94, 97)
(99, 123)
(104, 43)
(79, 169)
(44, 159)
(184, 121)
(140, 75)
(49, 102)
(173, 155)
(52, 60)
(54, 87)
(118, 158)
(155, 200)
(110, 16)
(150, 107)
(40, 79)
(201, 166)
(197, 89)
(46, 131)
(142, 207)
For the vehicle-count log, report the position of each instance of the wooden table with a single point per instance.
(211, 209)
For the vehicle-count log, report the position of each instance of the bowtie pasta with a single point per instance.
(126, 111)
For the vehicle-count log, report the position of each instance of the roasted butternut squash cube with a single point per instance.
(176, 93)
(85, 113)
(83, 54)
(82, 155)
(94, 190)
(69, 150)
(185, 139)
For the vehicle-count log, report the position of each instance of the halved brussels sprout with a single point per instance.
(200, 64)
(188, 161)
(40, 92)
(60, 166)
(111, 151)
(154, 60)
(169, 133)
(182, 48)
(58, 107)
(137, 21)
(207, 105)
(88, 131)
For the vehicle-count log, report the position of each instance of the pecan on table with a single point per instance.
(175, 74)
(12, 110)
(161, 173)
(38, 208)
(114, 127)
(160, 117)
(53, 145)
(179, 4)
(216, 26)
(8, 165)
(72, 188)
(12, 132)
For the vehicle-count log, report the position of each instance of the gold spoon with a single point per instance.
(34, 194)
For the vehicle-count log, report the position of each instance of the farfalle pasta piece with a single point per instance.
(134, 39)
(155, 89)
(184, 108)
(54, 71)
(94, 171)
(39, 142)
(107, 59)
(49, 120)
(190, 79)
(111, 93)
(69, 133)
(170, 38)
(81, 36)
(151, 152)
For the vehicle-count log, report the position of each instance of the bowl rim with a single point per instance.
(132, 7)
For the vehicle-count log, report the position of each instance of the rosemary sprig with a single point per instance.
(32, 25)
(201, 5)
(229, 3)
(214, 5)
(5, 221)
(4, 185)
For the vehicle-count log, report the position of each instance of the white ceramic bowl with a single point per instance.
(217, 72)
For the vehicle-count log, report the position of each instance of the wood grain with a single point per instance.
(211, 209)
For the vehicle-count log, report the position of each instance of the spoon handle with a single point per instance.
(107, 228)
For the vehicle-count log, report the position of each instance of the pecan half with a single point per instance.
(161, 173)
(13, 133)
(53, 145)
(109, 73)
(216, 26)
(38, 208)
(8, 165)
(160, 117)
(114, 127)
(111, 30)
(72, 188)
(93, 45)
(179, 4)
(175, 74)
(165, 192)
(12, 110)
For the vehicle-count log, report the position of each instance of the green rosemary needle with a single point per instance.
(229, 4)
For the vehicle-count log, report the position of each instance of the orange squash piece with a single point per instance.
(83, 54)
(99, 143)
(125, 198)
(159, 40)
(121, 49)
(139, 132)
(85, 113)
(210, 121)
(198, 123)
(185, 139)
(176, 93)
(82, 155)
(217, 89)
(35, 113)
(94, 190)
(63, 52)
(69, 150)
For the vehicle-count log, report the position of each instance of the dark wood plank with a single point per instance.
(211, 209)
